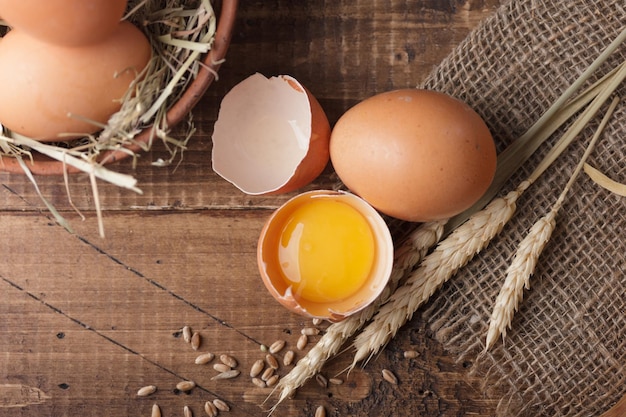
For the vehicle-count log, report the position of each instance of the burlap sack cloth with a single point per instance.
(566, 352)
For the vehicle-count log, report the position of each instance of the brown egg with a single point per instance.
(64, 22)
(49, 90)
(416, 155)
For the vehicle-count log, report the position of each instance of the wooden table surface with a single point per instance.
(86, 321)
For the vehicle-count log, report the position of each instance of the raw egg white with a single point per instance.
(271, 136)
(49, 90)
(416, 155)
(64, 22)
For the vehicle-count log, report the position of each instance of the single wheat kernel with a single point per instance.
(156, 411)
(185, 386)
(257, 368)
(267, 374)
(411, 354)
(277, 346)
(316, 321)
(310, 331)
(204, 358)
(147, 390)
(289, 357)
(226, 375)
(271, 361)
(187, 411)
(320, 412)
(272, 381)
(229, 360)
(196, 340)
(221, 405)
(187, 334)
(259, 382)
(221, 367)
(335, 381)
(390, 377)
(263, 348)
(322, 381)
(302, 342)
(210, 409)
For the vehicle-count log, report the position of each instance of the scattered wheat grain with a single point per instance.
(335, 381)
(185, 386)
(259, 382)
(233, 373)
(210, 409)
(303, 340)
(289, 357)
(320, 411)
(411, 354)
(317, 321)
(156, 411)
(204, 358)
(187, 334)
(390, 377)
(257, 368)
(147, 390)
(196, 341)
(310, 331)
(221, 405)
(187, 411)
(263, 348)
(229, 360)
(272, 380)
(271, 361)
(277, 346)
(267, 374)
(221, 367)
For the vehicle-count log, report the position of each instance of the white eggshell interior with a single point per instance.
(262, 133)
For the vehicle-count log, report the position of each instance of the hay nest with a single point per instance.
(182, 35)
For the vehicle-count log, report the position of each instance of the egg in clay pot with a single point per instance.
(50, 90)
(416, 155)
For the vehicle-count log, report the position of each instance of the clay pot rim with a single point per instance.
(212, 61)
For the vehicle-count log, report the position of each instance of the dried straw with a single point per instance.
(179, 32)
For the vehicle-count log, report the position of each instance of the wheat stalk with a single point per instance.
(463, 244)
(407, 256)
(527, 255)
(436, 268)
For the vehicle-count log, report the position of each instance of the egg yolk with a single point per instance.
(326, 250)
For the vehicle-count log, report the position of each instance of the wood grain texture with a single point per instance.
(87, 321)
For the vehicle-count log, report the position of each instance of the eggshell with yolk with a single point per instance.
(417, 155)
(49, 90)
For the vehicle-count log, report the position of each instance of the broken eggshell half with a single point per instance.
(271, 136)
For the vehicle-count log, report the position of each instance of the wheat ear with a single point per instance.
(527, 255)
(409, 254)
(436, 268)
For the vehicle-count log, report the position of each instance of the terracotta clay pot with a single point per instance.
(195, 90)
